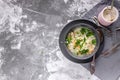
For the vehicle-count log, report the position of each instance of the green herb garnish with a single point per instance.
(83, 42)
(94, 41)
(78, 42)
(84, 51)
(68, 40)
(86, 31)
(90, 33)
(83, 30)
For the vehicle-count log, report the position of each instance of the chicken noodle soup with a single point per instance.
(81, 41)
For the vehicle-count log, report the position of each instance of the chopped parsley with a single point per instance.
(83, 30)
(83, 43)
(90, 33)
(86, 31)
(68, 40)
(78, 42)
(84, 51)
(94, 41)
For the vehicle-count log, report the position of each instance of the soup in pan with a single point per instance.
(81, 41)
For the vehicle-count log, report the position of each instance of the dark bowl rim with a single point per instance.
(80, 60)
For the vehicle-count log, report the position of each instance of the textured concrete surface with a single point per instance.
(29, 33)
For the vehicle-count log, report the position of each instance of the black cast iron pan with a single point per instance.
(77, 23)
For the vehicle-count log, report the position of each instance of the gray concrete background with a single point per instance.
(29, 33)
